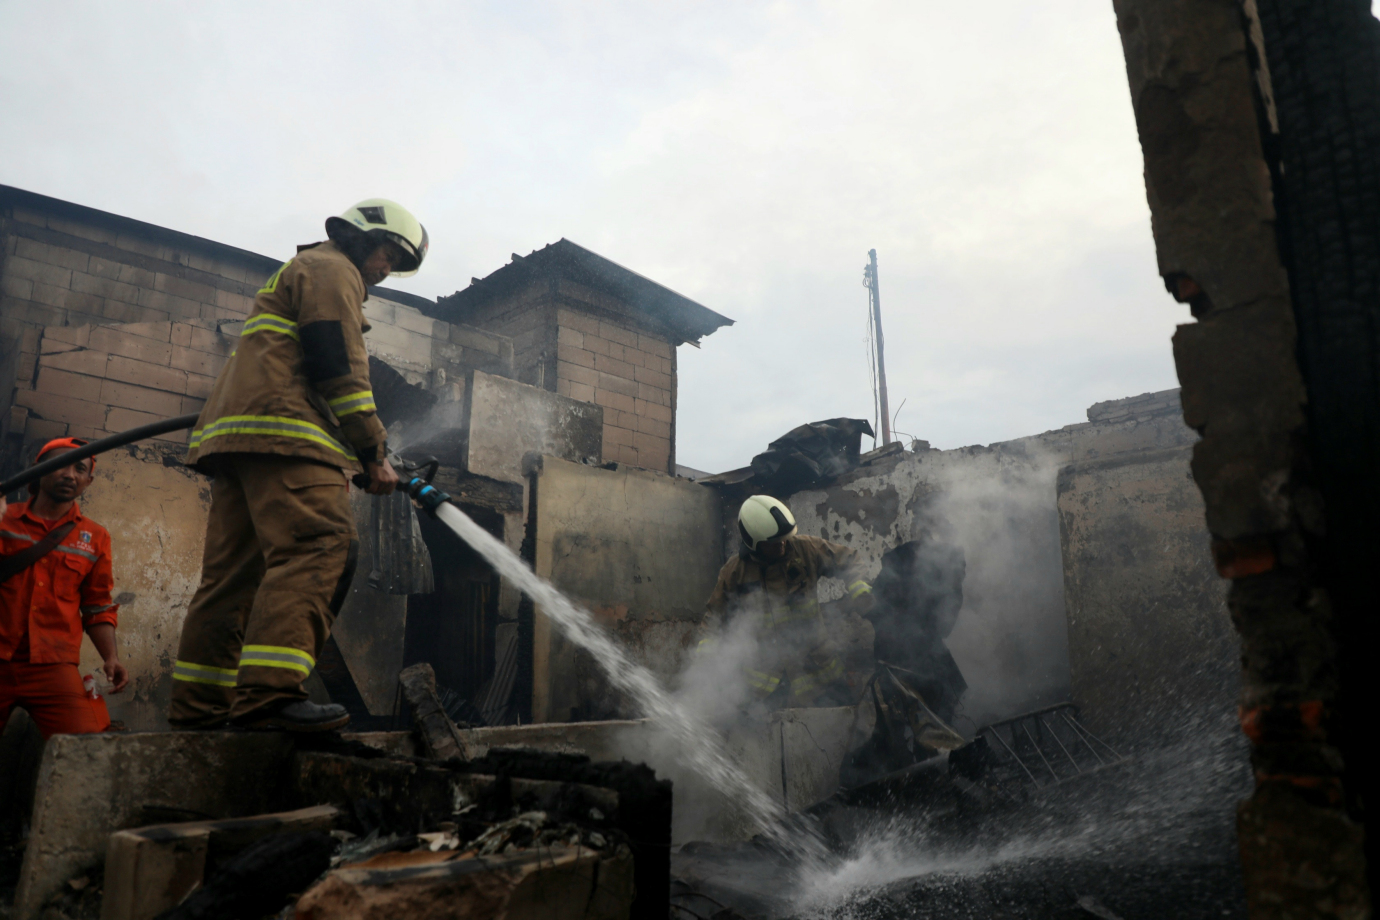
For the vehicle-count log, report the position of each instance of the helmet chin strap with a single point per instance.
(757, 555)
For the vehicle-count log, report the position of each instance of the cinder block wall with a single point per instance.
(63, 265)
(527, 317)
(62, 271)
(578, 342)
(629, 372)
(90, 381)
(429, 352)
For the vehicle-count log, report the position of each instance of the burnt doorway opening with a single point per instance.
(454, 628)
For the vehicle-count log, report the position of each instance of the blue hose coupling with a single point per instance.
(426, 495)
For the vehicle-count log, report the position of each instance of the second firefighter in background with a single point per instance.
(774, 579)
(291, 416)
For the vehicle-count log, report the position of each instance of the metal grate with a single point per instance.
(1050, 745)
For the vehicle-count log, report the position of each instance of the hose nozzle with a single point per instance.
(427, 496)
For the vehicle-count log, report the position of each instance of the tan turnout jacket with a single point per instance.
(787, 586)
(297, 384)
(784, 595)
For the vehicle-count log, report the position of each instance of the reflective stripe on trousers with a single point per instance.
(276, 656)
(203, 674)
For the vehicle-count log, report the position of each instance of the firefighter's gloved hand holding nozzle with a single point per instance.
(380, 477)
(415, 481)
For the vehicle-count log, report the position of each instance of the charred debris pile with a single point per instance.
(378, 834)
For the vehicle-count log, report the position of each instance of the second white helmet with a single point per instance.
(763, 519)
(386, 220)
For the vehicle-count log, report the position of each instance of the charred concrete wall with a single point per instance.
(581, 343)
(1150, 639)
(1259, 125)
(634, 547)
(155, 510)
(500, 421)
(1001, 503)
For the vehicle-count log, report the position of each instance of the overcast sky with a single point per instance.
(746, 154)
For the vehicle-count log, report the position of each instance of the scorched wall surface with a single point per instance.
(640, 550)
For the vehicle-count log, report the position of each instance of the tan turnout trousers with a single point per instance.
(279, 556)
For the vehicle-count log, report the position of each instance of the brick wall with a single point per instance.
(90, 381)
(628, 372)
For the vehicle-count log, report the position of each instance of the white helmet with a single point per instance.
(385, 220)
(763, 519)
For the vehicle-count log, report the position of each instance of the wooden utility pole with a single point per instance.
(881, 361)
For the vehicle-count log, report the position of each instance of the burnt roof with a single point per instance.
(681, 318)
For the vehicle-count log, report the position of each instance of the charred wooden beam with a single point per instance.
(440, 737)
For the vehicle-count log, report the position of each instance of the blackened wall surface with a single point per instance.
(1147, 616)
(638, 549)
(1000, 503)
(1258, 124)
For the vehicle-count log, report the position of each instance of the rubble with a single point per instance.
(440, 737)
(807, 455)
(152, 869)
(490, 835)
(259, 881)
(565, 882)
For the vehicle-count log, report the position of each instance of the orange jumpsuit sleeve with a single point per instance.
(97, 606)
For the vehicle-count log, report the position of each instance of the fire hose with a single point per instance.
(417, 482)
(417, 485)
(151, 430)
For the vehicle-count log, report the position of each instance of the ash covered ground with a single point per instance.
(1150, 839)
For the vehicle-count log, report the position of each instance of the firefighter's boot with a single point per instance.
(296, 716)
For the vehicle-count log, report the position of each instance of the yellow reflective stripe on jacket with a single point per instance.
(354, 402)
(859, 588)
(272, 284)
(761, 681)
(276, 656)
(816, 679)
(795, 613)
(266, 424)
(270, 322)
(203, 674)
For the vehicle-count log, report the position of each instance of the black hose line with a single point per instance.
(151, 430)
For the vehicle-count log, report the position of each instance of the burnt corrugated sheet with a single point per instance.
(397, 556)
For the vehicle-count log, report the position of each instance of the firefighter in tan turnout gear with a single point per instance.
(775, 578)
(290, 418)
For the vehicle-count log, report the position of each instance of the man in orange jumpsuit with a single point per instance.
(45, 606)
